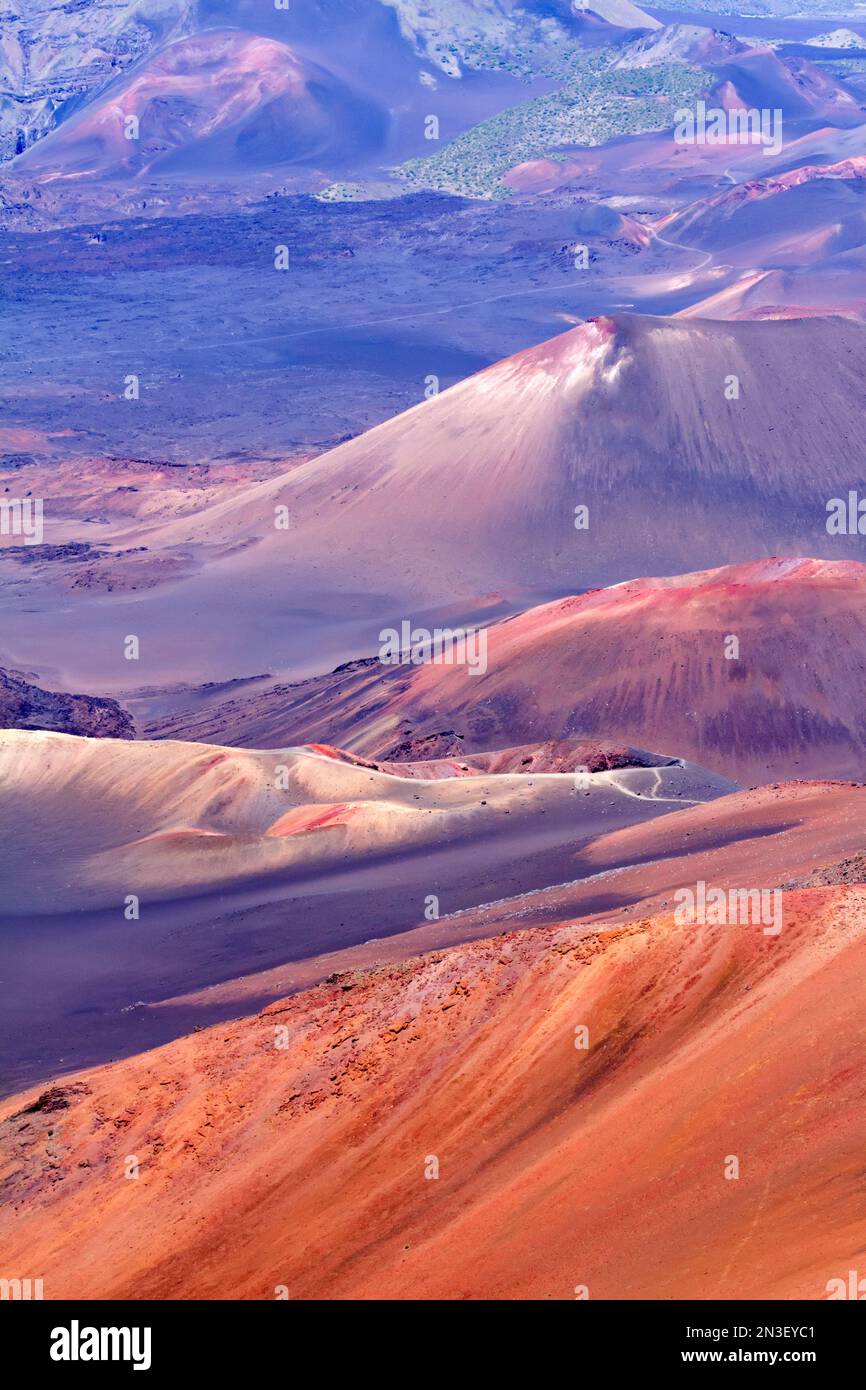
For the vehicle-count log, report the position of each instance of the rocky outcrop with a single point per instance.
(56, 57)
(26, 706)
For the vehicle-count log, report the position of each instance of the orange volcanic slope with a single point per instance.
(295, 1151)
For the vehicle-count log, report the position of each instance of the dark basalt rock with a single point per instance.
(26, 706)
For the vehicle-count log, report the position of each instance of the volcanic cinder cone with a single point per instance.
(684, 439)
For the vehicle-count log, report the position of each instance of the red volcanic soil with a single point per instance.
(643, 663)
(304, 818)
(292, 1151)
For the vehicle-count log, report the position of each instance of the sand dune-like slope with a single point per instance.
(838, 287)
(85, 986)
(803, 217)
(140, 876)
(644, 661)
(91, 821)
(555, 755)
(295, 1152)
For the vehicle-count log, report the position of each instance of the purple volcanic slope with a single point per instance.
(475, 491)
(220, 101)
(804, 217)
